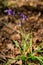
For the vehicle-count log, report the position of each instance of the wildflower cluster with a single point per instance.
(11, 12)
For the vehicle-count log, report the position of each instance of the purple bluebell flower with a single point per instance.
(13, 12)
(10, 12)
(19, 24)
(23, 16)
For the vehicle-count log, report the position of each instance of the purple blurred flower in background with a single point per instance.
(9, 12)
(23, 16)
(19, 24)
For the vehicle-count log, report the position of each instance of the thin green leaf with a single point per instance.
(40, 51)
(26, 37)
(17, 44)
(30, 44)
(37, 58)
(24, 45)
(29, 64)
(9, 61)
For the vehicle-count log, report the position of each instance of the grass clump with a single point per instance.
(25, 54)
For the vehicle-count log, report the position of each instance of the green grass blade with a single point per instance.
(37, 58)
(30, 44)
(9, 62)
(17, 44)
(40, 51)
(26, 37)
(24, 45)
(29, 64)
(30, 41)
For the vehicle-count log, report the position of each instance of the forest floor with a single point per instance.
(11, 28)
